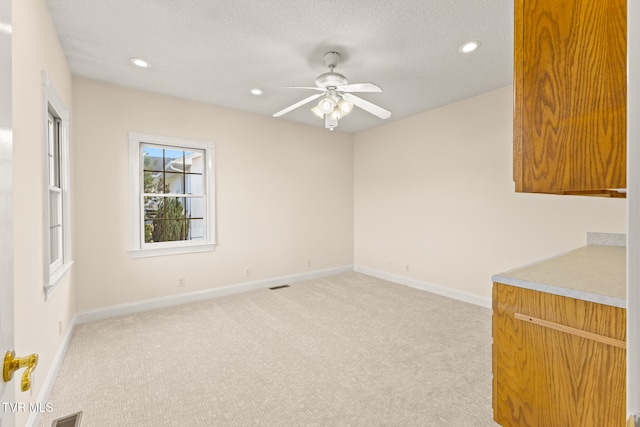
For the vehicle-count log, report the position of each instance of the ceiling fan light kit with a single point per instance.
(317, 112)
(345, 106)
(337, 99)
(330, 123)
(327, 104)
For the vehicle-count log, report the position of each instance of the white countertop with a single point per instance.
(591, 273)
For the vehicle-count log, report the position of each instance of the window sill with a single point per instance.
(144, 253)
(55, 278)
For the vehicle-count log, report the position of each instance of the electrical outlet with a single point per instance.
(390, 265)
(247, 271)
(307, 262)
(181, 281)
(59, 327)
(407, 268)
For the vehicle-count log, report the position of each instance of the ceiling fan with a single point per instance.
(337, 96)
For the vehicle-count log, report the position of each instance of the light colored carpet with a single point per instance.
(347, 350)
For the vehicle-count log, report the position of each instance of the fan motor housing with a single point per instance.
(331, 79)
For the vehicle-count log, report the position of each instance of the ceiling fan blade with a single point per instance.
(298, 104)
(305, 87)
(360, 87)
(367, 106)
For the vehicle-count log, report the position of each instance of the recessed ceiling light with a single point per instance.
(138, 62)
(256, 91)
(469, 47)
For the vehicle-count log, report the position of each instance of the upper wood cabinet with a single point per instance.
(570, 96)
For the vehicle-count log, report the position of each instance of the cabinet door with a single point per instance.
(548, 377)
(570, 96)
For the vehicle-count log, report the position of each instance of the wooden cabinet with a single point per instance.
(570, 96)
(557, 361)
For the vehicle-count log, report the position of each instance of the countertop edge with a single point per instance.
(571, 293)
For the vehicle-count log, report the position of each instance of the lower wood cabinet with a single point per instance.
(557, 361)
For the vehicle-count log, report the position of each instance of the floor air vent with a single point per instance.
(279, 287)
(68, 421)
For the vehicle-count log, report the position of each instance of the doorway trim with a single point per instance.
(7, 390)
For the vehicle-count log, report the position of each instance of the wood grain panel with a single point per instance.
(546, 377)
(570, 95)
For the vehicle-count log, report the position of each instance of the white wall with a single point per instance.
(35, 48)
(284, 194)
(435, 191)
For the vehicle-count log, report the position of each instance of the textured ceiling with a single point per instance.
(216, 51)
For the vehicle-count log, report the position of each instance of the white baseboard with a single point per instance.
(47, 384)
(151, 304)
(425, 286)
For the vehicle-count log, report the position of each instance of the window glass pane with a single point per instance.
(175, 229)
(173, 160)
(53, 151)
(55, 244)
(195, 207)
(194, 161)
(153, 182)
(153, 207)
(165, 230)
(174, 207)
(148, 231)
(164, 219)
(50, 135)
(155, 231)
(164, 207)
(152, 158)
(196, 229)
(56, 153)
(194, 184)
(174, 183)
(55, 208)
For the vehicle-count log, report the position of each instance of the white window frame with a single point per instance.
(55, 270)
(141, 249)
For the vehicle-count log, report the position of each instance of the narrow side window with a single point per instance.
(57, 227)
